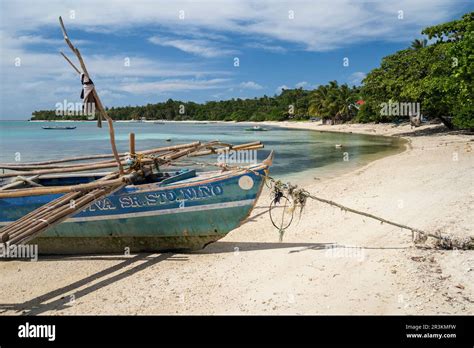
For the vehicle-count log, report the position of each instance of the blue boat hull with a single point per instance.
(149, 217)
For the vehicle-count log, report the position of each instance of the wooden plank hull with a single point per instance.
(149, 217)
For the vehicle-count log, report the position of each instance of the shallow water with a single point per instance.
(298, 153)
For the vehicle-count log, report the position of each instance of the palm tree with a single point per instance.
(419, 43)
(317, 103)
(346, 97)
(333, 101)
(333, 85)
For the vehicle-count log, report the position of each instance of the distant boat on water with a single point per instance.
(58, 127)
(256, 129)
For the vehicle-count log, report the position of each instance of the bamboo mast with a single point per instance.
(132, 144)
(98, 102)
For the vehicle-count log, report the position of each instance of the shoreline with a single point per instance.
(315, 127)
(329, 262)
(383, 129)
(380, 129)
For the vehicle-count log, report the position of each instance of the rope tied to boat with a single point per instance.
(135, 161)
(298, 197)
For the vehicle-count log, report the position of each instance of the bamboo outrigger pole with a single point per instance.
(34, 165)
(98, 103)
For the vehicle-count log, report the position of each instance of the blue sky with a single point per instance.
(141, 52)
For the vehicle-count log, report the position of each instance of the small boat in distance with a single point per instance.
(58, 127)
(256, 129)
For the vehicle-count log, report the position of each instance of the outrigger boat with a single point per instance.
(176, 210)
(65, 207)
(59, 127)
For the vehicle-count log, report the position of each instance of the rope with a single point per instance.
(299, 197)
(418, 236)
(281, 229)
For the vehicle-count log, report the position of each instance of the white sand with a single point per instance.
(375, 270)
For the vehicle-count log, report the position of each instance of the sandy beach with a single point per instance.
(329, 262)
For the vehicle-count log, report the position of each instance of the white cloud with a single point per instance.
(281, 88)
(266, 47)
(23, 40)
(206, 31)
(320, 26)
(250, 85)
(302, 84)
(172, 86)
(204, 48)
(356, 78)
(46, 78)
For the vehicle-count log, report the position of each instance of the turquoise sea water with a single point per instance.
(298, 153)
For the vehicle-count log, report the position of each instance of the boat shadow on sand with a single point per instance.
(38, 304)
(60, 298)
(232, 247)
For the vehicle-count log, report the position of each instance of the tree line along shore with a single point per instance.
(433, 78)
